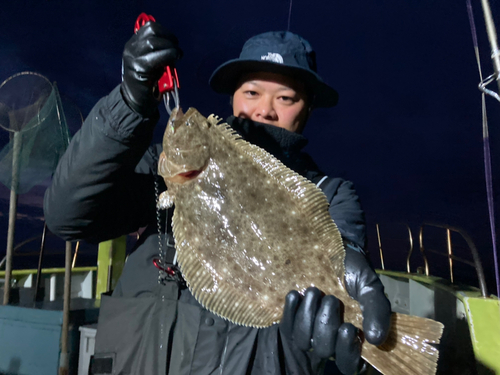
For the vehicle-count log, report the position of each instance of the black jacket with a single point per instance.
(104, 187)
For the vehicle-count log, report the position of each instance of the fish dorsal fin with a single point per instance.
(312, 206)
(213, 119)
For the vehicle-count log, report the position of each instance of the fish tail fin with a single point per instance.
(408, 348)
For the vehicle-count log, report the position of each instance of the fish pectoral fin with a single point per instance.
(165, 200)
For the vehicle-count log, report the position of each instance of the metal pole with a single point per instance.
(75, 255)
(495, 57)
(450, 253)
(64, 358)
(380, 247)
(422, 249)
(477, 262)
(40, 260)
(492, 36)
(410, 250)
(16, 150)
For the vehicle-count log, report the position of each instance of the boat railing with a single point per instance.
(52, 279)
(87, 282)
(475, 263)
(410, 249)
(449, 254)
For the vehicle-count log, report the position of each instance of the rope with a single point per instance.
(486, 144)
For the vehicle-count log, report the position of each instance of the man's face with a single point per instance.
(273, 99)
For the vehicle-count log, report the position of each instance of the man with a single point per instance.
(106, 185)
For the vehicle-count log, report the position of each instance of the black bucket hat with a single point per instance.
(278, 52)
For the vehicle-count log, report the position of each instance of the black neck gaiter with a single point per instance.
(283, 144)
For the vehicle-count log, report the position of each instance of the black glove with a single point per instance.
(363, 284)
(314, 321)
(145, 57)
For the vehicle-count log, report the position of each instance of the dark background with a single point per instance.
(407, 129)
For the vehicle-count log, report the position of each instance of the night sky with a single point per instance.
(407, 129)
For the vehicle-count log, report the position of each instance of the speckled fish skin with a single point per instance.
(252, 251)
(248, 230)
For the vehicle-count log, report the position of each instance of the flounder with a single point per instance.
(248, 230)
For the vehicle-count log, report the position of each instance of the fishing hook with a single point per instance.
(175, 97)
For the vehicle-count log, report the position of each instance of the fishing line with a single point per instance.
(289, 15)
(486, 141)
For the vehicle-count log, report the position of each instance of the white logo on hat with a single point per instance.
(274, 57)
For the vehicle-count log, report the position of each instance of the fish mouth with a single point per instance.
(184, 177)
(190, 174)
(179, 173)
